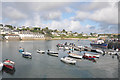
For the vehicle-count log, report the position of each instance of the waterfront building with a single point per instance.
(12, 37)
(15, 32)
(31, 36)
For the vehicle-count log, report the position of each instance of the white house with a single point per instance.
(84, 34)
(11, 36)
(15, 31)
(55, 34)
(75, 34)
(69, 32)
(31, 36)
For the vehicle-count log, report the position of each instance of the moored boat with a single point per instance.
(68, 60)
(21, 50)
(1, 66)
(52, 53)
(75, 55)
(41, 51)
(66, 48)
(100, 44)
(80, 46)
(112, 52)
(91, 56)
(99, 51)
(9, 71)
(9, 64)
(26, 54)
(60, 45)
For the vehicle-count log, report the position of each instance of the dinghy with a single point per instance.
(40, 51)
(26, 54)
(52, 53)
(1, 66)
(75, 55)
(9, 64)
(68, 60)
(66, 48)
(80, 46)
(99, 51)
(21, 50)
(60, 45)
(112, 52)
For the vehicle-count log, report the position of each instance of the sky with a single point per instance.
(77, 16)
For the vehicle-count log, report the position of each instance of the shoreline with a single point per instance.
(51, 39)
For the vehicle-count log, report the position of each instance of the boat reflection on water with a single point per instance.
(9, 71)
(93, 60)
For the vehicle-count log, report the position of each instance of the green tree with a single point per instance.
(46, 28)
(9, 26)
(63, 31)
(28, 28)
(75, 33)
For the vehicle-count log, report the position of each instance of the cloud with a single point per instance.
(66, 24)
(0, 12)
(106, 15)
(62, 15)
(68, 9)
(13, 13)
(71, 25)
(53, 15)
(59, 0)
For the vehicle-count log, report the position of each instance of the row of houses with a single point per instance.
(70, 33)
(17, 35)
(23, 36)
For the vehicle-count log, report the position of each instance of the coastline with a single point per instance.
(27, 39)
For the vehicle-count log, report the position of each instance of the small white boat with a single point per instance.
(81, 46)
(60, 47)
(112, 52)
(75, 55)
(68, 60)
(26, 54)
(66, 48)
(1, 66)
(41, 51)
(52, 53)
(99, 51)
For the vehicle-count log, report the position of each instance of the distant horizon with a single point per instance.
(86, 17)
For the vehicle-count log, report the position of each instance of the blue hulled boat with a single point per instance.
(100, 44)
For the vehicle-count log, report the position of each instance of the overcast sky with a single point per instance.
(91, 16)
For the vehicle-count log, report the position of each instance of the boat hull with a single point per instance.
(21, 50)
(42, 52)
(1, 66)
(91, 56)
(9, 64)
(26, 56)
(53, 54)
(75, 56)
(103, 45)
(68, 61)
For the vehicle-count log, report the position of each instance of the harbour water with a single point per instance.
(45, 66)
